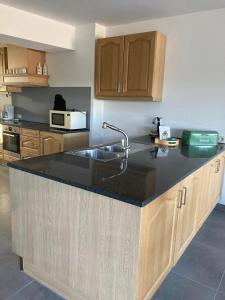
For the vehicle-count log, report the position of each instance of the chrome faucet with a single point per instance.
(125, 141)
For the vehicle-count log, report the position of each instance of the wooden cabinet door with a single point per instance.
(3, 63)
(51, 143)
(185, 226)
(216, 180)
(156, 242)
(138, 58)
(109, 66)
(203, 206)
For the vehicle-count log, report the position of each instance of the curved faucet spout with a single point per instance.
(125, 142)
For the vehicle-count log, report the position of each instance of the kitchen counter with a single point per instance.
(39, 126)
(72, 234)
(142, 178)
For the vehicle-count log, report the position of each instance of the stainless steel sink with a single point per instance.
(109, 152)
(113, 148)
(97, 154)
(117, 148)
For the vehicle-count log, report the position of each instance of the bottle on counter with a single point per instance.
(39, 69)
(45, 69)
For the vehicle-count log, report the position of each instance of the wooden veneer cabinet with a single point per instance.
(37, 143)
(130, 66)
(86, 246)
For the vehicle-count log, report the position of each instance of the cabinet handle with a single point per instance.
(180, 199)
(185, 196)
(218, 166)
(119, 87)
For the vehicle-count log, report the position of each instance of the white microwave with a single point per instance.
(68, 119)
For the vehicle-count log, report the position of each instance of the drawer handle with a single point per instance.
(180, 199)
(218, 166)
(185, 196)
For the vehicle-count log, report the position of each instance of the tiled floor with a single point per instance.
(199, 275)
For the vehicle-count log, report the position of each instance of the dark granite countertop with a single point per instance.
(39, 126)
(139, 180)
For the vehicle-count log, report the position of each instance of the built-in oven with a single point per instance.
(11, 140)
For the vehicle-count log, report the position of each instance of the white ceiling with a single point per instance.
(111, 12)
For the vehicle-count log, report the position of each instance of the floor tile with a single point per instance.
(11, 279)
(217, 217)
(176, 287)
(222, 285)
(220, 296)
(202, 263)
(35, 291)
(213, 231)
(220, 207)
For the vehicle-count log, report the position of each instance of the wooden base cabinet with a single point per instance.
(36, 143)
(156, 243)
(186, 211)
(112, 249)
(216, 178)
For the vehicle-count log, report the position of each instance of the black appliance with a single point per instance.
(11, 140)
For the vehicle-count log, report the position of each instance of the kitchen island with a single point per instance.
(90, 229)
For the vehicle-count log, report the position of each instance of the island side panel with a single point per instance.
(80, 244)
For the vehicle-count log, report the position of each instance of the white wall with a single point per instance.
(194, 86)
(30, 30)
(76, 69)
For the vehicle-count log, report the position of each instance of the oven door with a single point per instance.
(11, 142)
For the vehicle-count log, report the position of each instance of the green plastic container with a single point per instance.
(200, 138)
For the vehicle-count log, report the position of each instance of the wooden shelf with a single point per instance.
(23, 80)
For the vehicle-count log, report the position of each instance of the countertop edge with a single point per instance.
(108, 194)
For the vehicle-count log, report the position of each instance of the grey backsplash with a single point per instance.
(34, 103)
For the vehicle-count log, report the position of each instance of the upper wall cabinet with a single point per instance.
(109, 66)
(22, 67)
(130, 66)
(3, 67)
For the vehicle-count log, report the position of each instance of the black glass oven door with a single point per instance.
(11, 142)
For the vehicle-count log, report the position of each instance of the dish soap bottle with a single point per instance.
(39, 69)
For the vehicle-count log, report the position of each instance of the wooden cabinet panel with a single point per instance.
(131, 66)
(19, 57)
(3, 63)
(30, 132)
(29, 142)
(25, 154)
(51, 143)
(216, 177)
(156, 242)
(109, 66)
(138, 56)
(186, 205)
(10, 158)
(203, 206)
